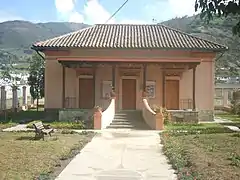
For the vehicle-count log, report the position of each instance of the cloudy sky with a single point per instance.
(94, 11)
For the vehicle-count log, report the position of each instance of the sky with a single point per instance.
(95, 11)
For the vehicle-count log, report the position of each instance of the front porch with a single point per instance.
(89, 84)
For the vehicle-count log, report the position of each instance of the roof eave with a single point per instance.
(224, 49)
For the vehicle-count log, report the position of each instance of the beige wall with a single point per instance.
(53, 84)
(204, 84)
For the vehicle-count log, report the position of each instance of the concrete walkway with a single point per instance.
(120, 155)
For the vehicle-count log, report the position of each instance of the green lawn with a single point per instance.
(235, 118)
(203, 153)
(23, 158)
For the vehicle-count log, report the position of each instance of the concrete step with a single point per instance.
(120, 126)
(121, 120)
(121, 123)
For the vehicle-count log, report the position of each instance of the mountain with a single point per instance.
(218, 30)
(17, 36)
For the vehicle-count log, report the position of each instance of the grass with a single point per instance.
(203, 128)
(232, 117)
(60, 125)
(6, 125)
(202, 152)
(23, 158)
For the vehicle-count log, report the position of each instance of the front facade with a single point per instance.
(174, 69)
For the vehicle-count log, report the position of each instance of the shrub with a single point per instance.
(164, 111)
(235, 108)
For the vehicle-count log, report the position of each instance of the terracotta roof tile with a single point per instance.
(130, 36)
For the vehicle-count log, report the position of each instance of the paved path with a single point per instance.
(120, 155)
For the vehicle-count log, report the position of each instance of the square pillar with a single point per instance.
(144, 81)
(14, 98)
(113, 76)
(63, 86)
(3, 98)
(24, 95)
(194, 88)
(163, 89)
(113, 92)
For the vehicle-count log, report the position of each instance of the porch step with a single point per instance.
(128, 120)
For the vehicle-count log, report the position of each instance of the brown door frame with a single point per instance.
(78, 90)
(173, 79)
(120, 90)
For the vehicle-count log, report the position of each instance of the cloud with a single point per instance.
(6, 16)
(64, 6)
(182, 8)
(93, 13)
(76, 17)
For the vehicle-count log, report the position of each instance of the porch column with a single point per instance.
(113, 76)
(113, 93)
(163, 89)
(24, 95)
(14, 98)
(144, 80)
(194, 88)
(63, 86)
(3, 98)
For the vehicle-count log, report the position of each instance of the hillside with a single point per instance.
(218, 30)
(17, 36)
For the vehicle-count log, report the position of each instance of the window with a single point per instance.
(218, 92)
(106, 89)
(151, 89)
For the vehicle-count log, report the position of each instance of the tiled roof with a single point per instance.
(129, 36)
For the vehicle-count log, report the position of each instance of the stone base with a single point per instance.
(51, 114)
(73, 114)
(206, 115)
(183, 116)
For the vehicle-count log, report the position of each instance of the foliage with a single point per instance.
(177, 157)
(236, 102)
(164, 111)
(36, 76)
(203, 156)
(220, 8)
(186, 129)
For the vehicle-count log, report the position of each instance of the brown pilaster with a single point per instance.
(113, 76)
(163, 89)
(194, 87)
(63, 86)
(94, 82)
(144, 80)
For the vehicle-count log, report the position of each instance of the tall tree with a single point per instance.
(36, 77)
(219, 8)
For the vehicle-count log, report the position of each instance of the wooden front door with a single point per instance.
(172, 94)
(86, 93)
(129, 94)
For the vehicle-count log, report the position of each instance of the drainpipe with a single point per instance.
(39, 54)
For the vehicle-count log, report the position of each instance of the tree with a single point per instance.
(36, 77)
(219, 8)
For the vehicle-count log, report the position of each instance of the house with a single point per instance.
(174, 68)
(223, 95)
